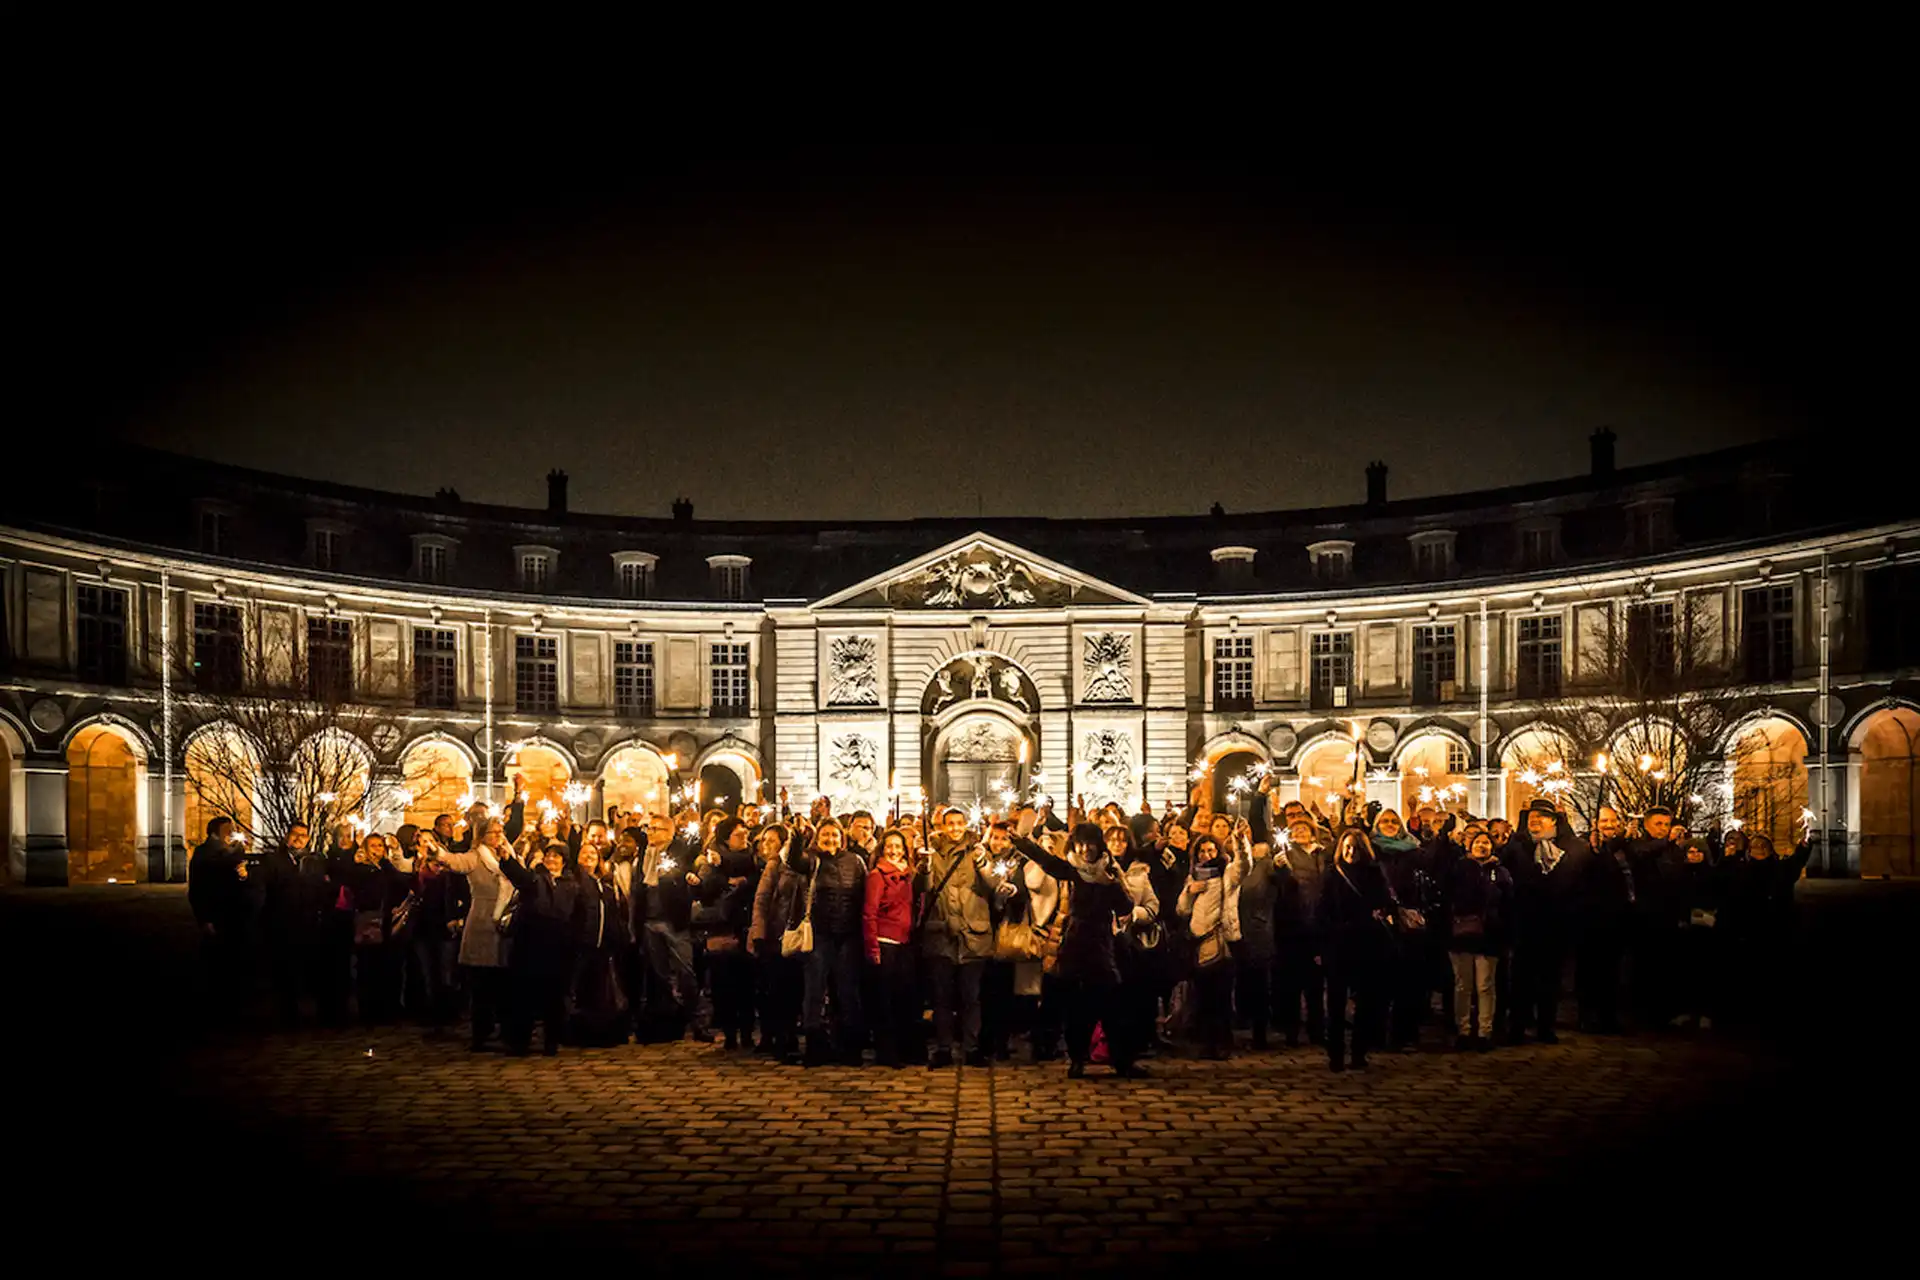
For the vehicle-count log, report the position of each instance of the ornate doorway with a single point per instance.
(977, 756)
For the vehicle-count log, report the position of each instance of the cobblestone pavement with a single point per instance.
(682, 1153)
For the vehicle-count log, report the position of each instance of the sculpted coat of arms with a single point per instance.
(971, 578)
(852, 679)
(1108, 666)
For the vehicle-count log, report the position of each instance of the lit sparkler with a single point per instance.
(576, 793)
(466, 800)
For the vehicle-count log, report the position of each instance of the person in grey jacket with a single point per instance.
(958, 881)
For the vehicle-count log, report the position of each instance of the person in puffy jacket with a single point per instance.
(887, 934)
(1478, 898)
(836, 902)
(1210, 903)
(778, 901)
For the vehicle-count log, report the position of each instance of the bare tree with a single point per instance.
(1654, 699)
(272, 727)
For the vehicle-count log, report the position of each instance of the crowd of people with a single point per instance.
(1104, 937)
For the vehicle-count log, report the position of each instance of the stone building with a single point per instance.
(893, 663)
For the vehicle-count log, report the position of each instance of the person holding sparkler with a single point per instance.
(837, 882)
(663, 922)
(959, 877)
(1550, 878)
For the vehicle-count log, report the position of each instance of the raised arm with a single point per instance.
(1057, 867)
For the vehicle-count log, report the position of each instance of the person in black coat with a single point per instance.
(598, 1014)
(544, 940)
(1299, 970)
(1475, 920)
(1086, 969)
(1549, 865)
(293, 883)
(1759, 892)
(1691, 891)
(837, 892)
(1358, 919)
(439, 916)
(662, 905)
(1607, 923)
(376, 886)
(217, 892)
(729, 874)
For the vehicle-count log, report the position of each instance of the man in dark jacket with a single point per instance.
(217, 892)
(728, 874)
(663, 917)
(1550, 872)
(1611, 896)
(1299, 974)
(294, 892)
(955, 888)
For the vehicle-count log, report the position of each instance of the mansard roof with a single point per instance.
(1775, 489)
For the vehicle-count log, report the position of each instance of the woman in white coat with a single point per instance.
(1210, 903)
(483, 948)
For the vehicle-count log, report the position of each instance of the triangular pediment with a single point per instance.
(975, 573)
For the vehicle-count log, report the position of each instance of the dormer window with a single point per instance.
(536, 566)
(1539, 543)
(634, 569)
(433, 557)
(216, 530)
(730, 576)
(1233, 565)
(326, 544)
(1432, 552)
(1332, 560)
(1650, 525)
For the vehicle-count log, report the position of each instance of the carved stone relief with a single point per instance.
(853, 767)
(983, 742)
(1107, 661)
(852, 680)
(1108, 757)
(979, 675)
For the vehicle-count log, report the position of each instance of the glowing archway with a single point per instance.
(436, 775)
(106, 781)
(1768, 767)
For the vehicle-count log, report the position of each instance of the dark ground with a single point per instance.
(143, 1139)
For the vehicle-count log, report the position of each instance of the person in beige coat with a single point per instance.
(483, 948)
(1210, 903)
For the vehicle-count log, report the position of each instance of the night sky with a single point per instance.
(840, 332)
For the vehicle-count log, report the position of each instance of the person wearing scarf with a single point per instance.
(600, 916)
(1478, 905)
(1357, 915)
(1210, 903)
(1408, 868)
(1550, 877)
(541, 962)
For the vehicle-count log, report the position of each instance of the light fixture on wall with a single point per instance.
(435, 612)
(219, 589)
(538, 622)
(1539, 601)
(106, 571)
(1333, 616)
(1233, 623)
(1433, 611)
(333, 606)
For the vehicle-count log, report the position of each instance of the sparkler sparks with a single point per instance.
(466, 800)
(576, 793)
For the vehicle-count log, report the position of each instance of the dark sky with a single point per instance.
(842, 331)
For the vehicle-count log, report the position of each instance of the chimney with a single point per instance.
(1602, 442)
(447, 497)
(556, 493)
(1376, 484)
(683, 510)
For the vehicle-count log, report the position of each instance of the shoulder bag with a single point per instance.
(1213, 948)
(799, 939)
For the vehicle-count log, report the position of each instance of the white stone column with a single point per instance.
(166, 865)
(45, 855)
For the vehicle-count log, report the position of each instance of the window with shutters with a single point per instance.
(1233, 673)
(1538, 675)
(101, 618)
(216, 647)
(1332, 658)
(633, 677)
(536, 674)
(1767, 614)
(1435, 659)
(728, 667)
(329, 659)
(435, 667)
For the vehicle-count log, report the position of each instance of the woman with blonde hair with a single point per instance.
(483, 946)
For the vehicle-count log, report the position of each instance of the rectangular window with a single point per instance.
(633, 677)
(1893, 617)
(1539, 673)
(730, 688)
(1430, 559)
(536, 674)
(329, 659)
(1333, 566)
(1435, 659)
(435, 667)
(1536, 548)
(213, 532)
(1332, 668)
(533, 572)
(1768, 623)
(1650, 528)
(433, 562)
(326, 549)
(102, 634)
(1456, 757)
(1233, 673)
(1650, 649)
(730, 581)
(216, 647)
(636, 580)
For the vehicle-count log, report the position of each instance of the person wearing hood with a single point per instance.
(1475, 921)
(958, 883)
(1608, 919)
(836, 877)
(1210, 903)
(1408, 864)
(544, 943)
(1098, 906)
(1359, 917)
(1299, 968)
(1550, 875)
(722, 915)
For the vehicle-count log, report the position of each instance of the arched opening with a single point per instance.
(976, 757)
(9, 776)
(1769, 772)
(221, 776)
(635, 779)
(1234, 764)
(1430, 765)
(103, 807)
(1529, 759)
(1889, 792)
(1326, 774)
(544, 774)
(332, 773)
(728, 779)
(436, 776)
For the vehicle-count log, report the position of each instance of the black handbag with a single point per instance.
(505, 921)
(402, 925)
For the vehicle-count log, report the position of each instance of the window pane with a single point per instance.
(536, 670)
(730, 694)
(633, 677)
(216, 647)
(434, 667)
(102, 634)
(329, 659)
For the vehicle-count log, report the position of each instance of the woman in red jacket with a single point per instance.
(888, 927)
